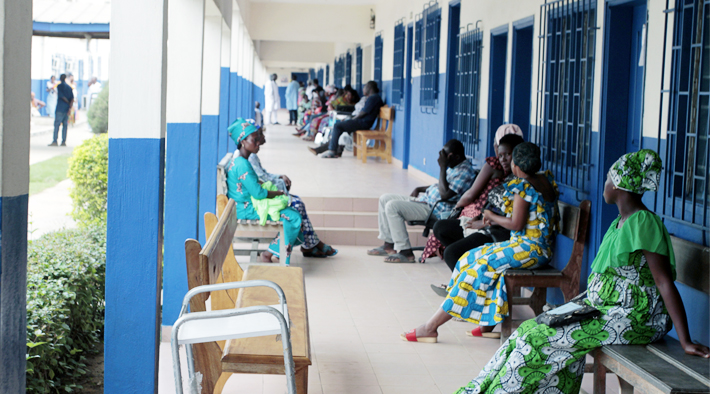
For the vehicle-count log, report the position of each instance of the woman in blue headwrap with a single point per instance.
(243, 185)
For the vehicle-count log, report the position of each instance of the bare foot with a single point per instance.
(423, 332)
(266, 257)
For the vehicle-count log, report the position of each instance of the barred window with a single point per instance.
(468, 90)
(378, 60)
(348, 68)
(398, 66)
(687, 153)
(418, 30)
(327, 74)
(320, 76)
(312, 73)
(358, 69)
(565, 86)
(430, 56)
(339, 71)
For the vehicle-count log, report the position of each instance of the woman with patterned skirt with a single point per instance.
(477, 290)
(631, 285)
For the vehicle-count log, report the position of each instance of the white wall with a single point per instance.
(295, 51)
(73, 49)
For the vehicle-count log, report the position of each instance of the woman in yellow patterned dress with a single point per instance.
(477, 291)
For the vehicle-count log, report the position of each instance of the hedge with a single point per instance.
(88, 171)
(65, 306)
(98, 112)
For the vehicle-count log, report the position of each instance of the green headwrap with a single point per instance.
(637, 172)
(240, 129)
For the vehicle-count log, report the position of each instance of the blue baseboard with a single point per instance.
(209, 135)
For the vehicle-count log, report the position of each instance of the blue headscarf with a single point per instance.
(241, 128)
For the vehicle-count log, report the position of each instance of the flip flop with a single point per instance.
(329, 155)
(378, 251)
(313, 150)
(440, 290)
(476, 332)
(326, 249)
(399, 258)
(412, 337)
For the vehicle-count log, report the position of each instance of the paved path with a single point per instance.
(50, 210)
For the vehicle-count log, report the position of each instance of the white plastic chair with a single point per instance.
(253, 321)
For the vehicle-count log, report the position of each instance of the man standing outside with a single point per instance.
(65, 100)
(292, 100)
(272, 101)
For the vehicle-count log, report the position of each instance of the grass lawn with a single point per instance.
(48, 173)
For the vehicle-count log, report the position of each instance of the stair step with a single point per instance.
(349, 236)
(341, 204)
(343, 219)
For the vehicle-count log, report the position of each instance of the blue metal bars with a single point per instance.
(348, 68)
(564, 90)
(398, 65)
(687, 152)
(468, 90)
(430, 56)
(378, 59)
(358, 69)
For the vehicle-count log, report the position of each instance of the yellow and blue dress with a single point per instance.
(477, 291)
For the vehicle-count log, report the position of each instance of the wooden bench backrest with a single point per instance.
(574, 224)
(384, 121)
(692, 264)
(222, 169)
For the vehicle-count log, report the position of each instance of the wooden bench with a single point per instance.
(661, 367)
(382, 137)
(574, 224)
(247, 226)
(216, 263)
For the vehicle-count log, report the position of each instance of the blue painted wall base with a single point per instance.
(208, 170)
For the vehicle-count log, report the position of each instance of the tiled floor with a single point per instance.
(357, 304)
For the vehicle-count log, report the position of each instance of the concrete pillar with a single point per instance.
(15, 45)
(224, 90)
(182, 154)
(234, 80)
(209, 129)
(135, 195)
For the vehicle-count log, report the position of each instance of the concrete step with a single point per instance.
(341, 204)
(348, 236)
(343, 219)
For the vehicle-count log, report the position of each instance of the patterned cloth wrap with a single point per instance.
(637, 172)
(542, 359)
(477, 291)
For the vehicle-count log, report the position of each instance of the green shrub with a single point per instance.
(88, 170)
(98, 112)
(65, 306)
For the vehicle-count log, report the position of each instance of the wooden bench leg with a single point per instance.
(506, 327)
(538, 299)
(599, 376)
(625, 387)
(302, 380)
(283, 254)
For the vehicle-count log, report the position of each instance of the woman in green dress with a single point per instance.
(631, 285)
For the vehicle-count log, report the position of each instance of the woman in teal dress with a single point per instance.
(631, 284)
(243, 185)
(477, 290)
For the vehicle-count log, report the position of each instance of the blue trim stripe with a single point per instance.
(208, 170)
(133, 264)
(182, 164)
(71, 27)
(223, 138)
(233, 105)
(13, 288)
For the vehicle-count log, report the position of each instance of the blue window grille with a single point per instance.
(378, 60)
(565, 87)
(348, 68)
(398, 65)
(327, 74)
(320, 76)
(418, 29)
(358, 69)
(312, 73)
(468, 90)
(430, 56)
(339, 71)
(687, 153)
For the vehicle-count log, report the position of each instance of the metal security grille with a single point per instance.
(339, 71)
(312, 73)
(687, 153)
(358, 69)
(564, 91)
(418, 29)
(378, 60)
(327, 74)
(348, 68)
(430, 54)
(468, 90)
(320, 75)
(398, 66)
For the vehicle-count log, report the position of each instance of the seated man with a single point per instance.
(363, 121)
(456, 175)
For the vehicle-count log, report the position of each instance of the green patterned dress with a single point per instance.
(541, 359)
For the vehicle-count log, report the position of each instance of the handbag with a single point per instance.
(572, 312)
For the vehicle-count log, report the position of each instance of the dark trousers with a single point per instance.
(292, 116)
(61, 118)
(450, 233)
(347, 126)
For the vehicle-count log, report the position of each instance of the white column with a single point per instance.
(225, 60)
(15, 46)
(135, 195)
(182, 154)
(234, 80)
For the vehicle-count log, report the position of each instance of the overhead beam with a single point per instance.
(318, 52)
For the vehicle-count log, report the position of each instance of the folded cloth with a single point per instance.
(270, 207)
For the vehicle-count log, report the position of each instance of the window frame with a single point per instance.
(398, 63)
(377, 58)
(430, 50)
(467, 93)
(358, 68)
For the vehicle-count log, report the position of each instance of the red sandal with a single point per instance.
(412, 337)
(476, 332)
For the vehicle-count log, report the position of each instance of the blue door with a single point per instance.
(636, 71)
(496, 88)
(408, 96)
